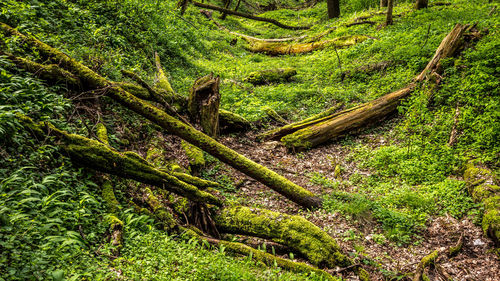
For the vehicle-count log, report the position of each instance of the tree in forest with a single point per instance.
(422, 4)
(390, 5)
(383, 3)
(333, 8)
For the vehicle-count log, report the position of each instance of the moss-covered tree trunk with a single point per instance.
(390, 5)
(270, 75)
(92, 81)
(346, 121)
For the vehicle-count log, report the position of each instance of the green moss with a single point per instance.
(159, 211)
(194, 154)
(297, 141)
(109, 197)
(270, 76)
(293, 231)
(102, 133)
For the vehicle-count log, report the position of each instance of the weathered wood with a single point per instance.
(278, 133)
(347, 121)
(248, 16)
(102, 157)
(278, 48)
(203, 104)
(92, 80)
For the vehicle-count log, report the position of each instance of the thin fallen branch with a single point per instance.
(248, 16)
(208, 15)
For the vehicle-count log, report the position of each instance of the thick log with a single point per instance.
(293, 231)
(264, 175)
(101, 157)
(280, 132)
(203, 104)
(248, 16)
(278, 48)
(270, 76)
(347, 121)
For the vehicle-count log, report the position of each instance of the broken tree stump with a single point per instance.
(203, 104)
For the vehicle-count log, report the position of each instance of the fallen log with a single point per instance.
(279, 48)
(278, 133)
(248, 16)
(102, 157)
(270, 75)
(346, 121)
(92, 80)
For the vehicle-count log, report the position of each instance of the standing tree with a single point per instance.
(390, 4)
(383, 3)
(333, 8)
(422, 4)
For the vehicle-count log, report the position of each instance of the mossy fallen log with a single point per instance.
(101, 157)
(349, 120)
(266, 258)
(293, 231)
(159, 211)
(280, 48)
(270, 76)
(483, 187)
(92, 80)
(278, 133)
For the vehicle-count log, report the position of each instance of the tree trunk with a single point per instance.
(227, 3)
(319, 131)
(203, 104)
(333, 8)
(383, 3)
(420, 4)
(92, 80)
(279, 48)
(390, 4)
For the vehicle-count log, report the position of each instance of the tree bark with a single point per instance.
(101, 157)
(383, 3)
(420, 4)
(248, 16)
(333, 8)
(203, 104)
(92, 80)
(310, 135)
(390, 4)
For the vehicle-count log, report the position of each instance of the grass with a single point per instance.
(45, 201)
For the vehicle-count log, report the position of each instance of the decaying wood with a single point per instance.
(203, 104)
(426, 261)
(102, 157)
(346, 121)
(278, 133)
(273, 115)
(248, 16)
(270, 76)
(278, 48)
(92, 80)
